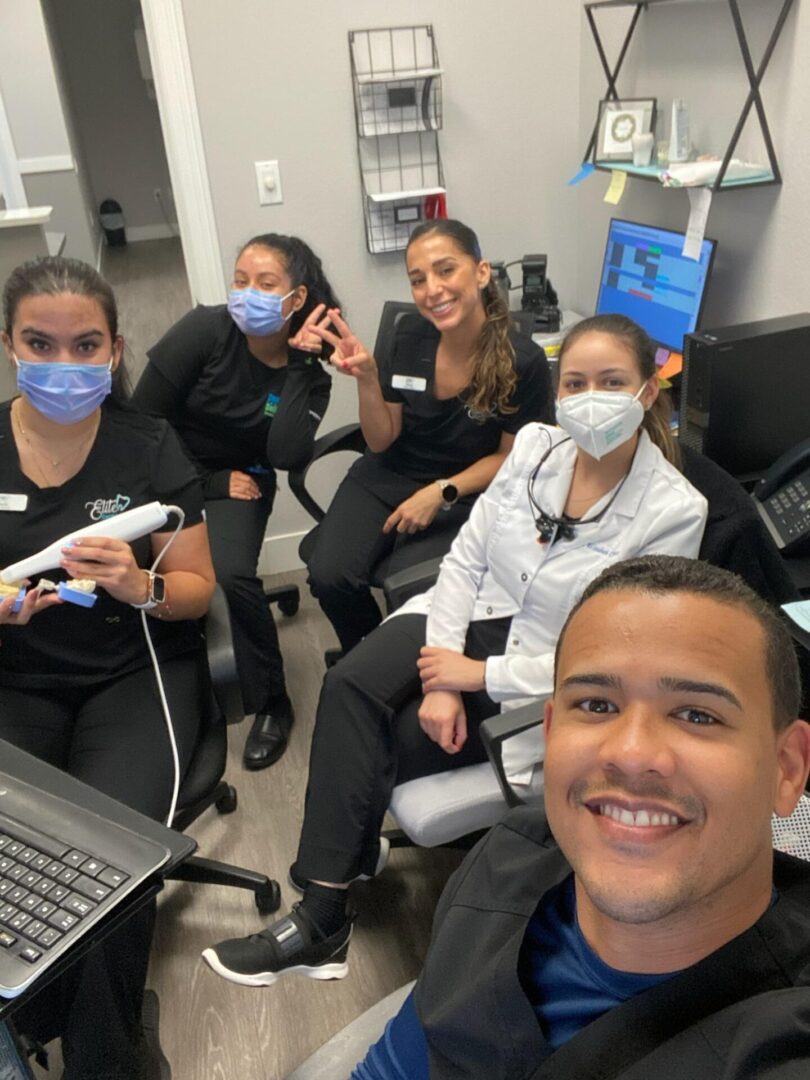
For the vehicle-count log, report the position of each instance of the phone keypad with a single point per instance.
(790, 508)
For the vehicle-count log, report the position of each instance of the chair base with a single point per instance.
(288, 598)
(201, 871)
(224, 797)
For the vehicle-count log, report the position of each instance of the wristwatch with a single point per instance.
(449, 494)
(156, 594)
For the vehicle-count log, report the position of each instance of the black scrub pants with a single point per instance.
(350, 542)
(236, 529)
(113, 736)
(367, 739)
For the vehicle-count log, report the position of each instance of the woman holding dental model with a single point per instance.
(407, 702)
(439, 414)
(77, 687)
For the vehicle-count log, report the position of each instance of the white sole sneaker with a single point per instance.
(323, 972)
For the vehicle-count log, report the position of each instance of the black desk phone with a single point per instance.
(782, 497)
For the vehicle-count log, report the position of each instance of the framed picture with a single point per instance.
(617, 123)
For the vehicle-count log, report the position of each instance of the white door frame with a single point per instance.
(185, 152)
(11, 184)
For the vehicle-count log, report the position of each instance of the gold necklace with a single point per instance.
(55, 463)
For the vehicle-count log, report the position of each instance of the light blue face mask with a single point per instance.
(64, 393)
(257, 313)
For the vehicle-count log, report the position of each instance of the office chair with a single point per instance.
(203, 785)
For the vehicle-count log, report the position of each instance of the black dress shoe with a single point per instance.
(268, 738)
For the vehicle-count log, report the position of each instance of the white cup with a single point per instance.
(643, 148)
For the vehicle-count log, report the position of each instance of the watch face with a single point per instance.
(623, 127)
(158, 589)
(450, 493)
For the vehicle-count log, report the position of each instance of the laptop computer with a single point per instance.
(73, 864)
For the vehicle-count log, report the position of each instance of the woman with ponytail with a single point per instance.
(243, 387)
(439, 415)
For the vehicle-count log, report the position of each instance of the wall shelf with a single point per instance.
(655, 172)
(771, 173)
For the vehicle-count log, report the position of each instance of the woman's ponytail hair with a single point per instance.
(493, 362)
(304, 268)
(657, 419)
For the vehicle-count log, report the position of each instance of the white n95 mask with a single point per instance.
(600, 420)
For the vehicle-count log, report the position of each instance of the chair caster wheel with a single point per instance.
(268, 898)
(227, 803)
(290, 604)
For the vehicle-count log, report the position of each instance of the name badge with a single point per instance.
(408, 382)
(15, 503)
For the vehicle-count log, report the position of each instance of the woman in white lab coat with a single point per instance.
(407, 702)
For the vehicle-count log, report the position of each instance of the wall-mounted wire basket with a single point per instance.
(396, 79)
(397, 88)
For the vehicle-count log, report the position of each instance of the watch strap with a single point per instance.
(150, 601)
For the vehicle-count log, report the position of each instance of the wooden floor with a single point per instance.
(150, 284)
(210, 1028)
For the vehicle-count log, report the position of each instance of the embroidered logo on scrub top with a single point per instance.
(106, 508)
(271, 405)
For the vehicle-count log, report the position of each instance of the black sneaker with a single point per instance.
(299, 882)
(291, 946)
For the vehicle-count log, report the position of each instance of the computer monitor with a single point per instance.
(645, 276)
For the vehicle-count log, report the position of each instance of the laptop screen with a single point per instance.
(645, 276)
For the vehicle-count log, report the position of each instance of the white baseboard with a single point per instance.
(136, 233)
(46, 164)
(280, 553)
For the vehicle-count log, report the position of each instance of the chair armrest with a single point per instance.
(348, 437)
(497, 729)
(222, 659)
(409, 582)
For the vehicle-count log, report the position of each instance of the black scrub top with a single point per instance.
(134, 460)
(231, 411)
(440, 438)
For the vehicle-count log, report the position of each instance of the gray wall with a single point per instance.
(275, 82)
(117, 123)
(36, 115)
(763, 234)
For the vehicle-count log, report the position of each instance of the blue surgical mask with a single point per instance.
(64, 393)
(257, 313)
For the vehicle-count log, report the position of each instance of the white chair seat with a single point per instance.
(437, 809)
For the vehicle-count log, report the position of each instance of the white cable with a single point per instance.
(161, 691)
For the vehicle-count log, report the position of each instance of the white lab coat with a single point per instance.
(496, 567)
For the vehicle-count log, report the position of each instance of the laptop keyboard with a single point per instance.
(46, 889)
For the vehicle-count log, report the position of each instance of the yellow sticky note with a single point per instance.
(616, 190)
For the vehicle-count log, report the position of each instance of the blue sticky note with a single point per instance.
(583, 174)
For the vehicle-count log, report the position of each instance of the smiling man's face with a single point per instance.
(662, 765)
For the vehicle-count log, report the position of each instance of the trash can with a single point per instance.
(112, 222)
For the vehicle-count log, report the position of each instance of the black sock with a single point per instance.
(325, 906)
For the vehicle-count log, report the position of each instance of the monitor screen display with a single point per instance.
(645, 276)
